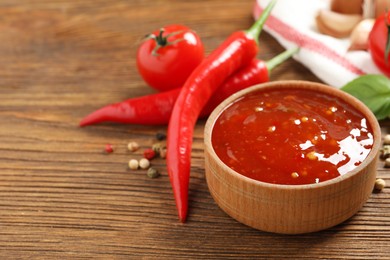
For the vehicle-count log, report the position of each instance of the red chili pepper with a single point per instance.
(256, 72)
(234, 53)
(153, 109)
(379, 43)
(157, 108)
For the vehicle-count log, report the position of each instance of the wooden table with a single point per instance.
(61, 196)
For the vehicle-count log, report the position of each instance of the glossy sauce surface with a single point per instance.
(291, 136)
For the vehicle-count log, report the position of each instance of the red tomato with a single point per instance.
(378, 42)
(168, 57)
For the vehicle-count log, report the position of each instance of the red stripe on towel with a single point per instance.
(302, 40)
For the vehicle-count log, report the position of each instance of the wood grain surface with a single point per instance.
(61, 196)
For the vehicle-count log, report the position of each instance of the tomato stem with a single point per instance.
(162, 41)
(257, 27)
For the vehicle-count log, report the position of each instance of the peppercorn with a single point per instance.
(133, 164)
(109, 148)
(133, 146)
(163, 152)
(149, 153)
(387, 163)
(152, 173)
(386, 139)
(157, 147)
(144, 163)
(380, 184)
(385, 152)
(161, 136)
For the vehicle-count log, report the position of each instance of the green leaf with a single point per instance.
(373, 91)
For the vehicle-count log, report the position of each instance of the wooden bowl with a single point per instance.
(291, 209)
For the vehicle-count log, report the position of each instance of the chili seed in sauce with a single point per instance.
(294, 175)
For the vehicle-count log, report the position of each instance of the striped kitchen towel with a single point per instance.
(292, 23)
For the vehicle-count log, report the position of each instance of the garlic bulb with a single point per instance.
(359, 35)
(336, 24)
(347, 6)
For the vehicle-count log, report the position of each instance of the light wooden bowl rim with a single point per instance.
(296, 84)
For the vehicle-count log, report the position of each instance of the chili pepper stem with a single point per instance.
(280, 58)
(257, 27)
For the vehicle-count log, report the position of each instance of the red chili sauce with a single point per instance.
(291, 136)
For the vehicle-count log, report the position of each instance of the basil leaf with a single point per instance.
(373, 91)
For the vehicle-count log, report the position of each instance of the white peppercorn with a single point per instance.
(144, 163)
(133, 164)
(385, 151)
(387, 162)
(386, 139)
(380, 184)
(133, 146)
